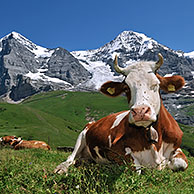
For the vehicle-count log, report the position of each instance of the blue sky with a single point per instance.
(89, 24)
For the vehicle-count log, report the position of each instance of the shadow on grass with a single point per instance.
(96, 178)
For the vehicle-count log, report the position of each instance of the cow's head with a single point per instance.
(141, 86)
(15, 141)
(7, 140)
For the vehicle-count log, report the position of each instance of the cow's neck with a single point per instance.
(166, 126)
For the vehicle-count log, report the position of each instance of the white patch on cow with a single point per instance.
(91, 122)
(159, 159)
(146, 158)
(80, 144)
(18, 139)
(119, 118)
(109, 141)
(128, 151)
(177, 164)
(20, 142)
(79, 147)
(167, 158)
(99, 159)
(1, 139)
(178, 151)
(153, 134)
(135, 160)
(150, 158)
(167, 149)
(144, 86)
(35, 143)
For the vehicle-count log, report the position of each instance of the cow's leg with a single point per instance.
(135, 160)
(178, 160)
(79, 150)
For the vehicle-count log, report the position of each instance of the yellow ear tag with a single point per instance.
(111, 91)
(171, 88)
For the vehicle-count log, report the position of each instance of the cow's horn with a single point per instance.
(159, 62)
(116, 67)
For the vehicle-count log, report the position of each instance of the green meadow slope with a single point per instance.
(57, 117)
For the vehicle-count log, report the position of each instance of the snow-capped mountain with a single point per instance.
(26, 68)
(132, 46)
(33, 48)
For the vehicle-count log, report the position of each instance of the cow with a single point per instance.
(146, 135)
(33, 144)
(6, 140)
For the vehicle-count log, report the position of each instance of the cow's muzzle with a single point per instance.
(141, 113)
(141, 116)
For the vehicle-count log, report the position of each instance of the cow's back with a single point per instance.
(32, 144)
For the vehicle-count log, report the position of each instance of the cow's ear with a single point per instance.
(112, 89)
(171, 84)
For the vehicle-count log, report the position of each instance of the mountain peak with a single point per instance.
(14, 35)
(129, 39)
(32, 47)
(17, 35)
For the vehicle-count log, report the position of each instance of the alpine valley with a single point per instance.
(27, 69)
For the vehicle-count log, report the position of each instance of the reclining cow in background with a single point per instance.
(146, 135)
(32, 144)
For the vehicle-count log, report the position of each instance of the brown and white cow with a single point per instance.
(146, 134)
(33, 144)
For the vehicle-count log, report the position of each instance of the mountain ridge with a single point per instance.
(26, 68)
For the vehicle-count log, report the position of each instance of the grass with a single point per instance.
(188, 139)
(31, 171)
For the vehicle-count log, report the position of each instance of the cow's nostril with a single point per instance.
(147, 110)
(133, 111)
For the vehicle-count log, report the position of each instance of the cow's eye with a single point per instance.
(154, 87)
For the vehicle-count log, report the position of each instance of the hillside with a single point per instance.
(57, 117)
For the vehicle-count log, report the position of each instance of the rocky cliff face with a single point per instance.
(64, 66)
(26, 68)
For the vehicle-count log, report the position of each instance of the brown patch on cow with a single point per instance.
(112, 89)
(176, 81)
(118, 88)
